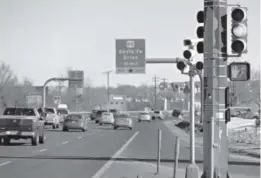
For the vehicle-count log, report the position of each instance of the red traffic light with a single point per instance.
(238, 14)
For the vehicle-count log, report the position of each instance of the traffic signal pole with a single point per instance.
(215, 164)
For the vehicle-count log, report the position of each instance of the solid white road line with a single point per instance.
(108, 164)
(5, 163)
(65, 142)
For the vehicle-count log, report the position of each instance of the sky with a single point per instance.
(40, 39)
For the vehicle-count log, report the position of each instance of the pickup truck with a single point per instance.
(21, 123)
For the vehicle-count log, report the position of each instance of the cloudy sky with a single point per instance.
(42, 38)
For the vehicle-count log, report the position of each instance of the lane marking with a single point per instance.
(5, 163)
(79, 137)
(108, 164)
(42, 150)
(65, 142)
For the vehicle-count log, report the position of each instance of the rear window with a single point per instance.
(156, 112)
(144, 113)
(62, 111)
(20, 111)
(121, 116)
(74, 117)
(100, 112)
(49, 110)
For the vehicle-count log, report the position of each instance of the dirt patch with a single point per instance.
(242, 141)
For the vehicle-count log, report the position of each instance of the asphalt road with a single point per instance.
(79, 154)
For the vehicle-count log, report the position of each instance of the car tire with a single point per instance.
(84, 129)
(6, 141)
(65, 129)
(57, 126)
(101, 124)
(54, 126)
(139, 120)
(35, 141)
(41, 139)
(115, 127)
(130, 128)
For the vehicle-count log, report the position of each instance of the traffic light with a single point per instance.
(239, 71)
(189, 53)
(181, 66)
(239, 30)
(200, 31)
(199, 65)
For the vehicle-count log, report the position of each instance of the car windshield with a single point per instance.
(49, 110)
(156, 112)
(74, 117)
(62, 111)
(100, 112)
(20, 111)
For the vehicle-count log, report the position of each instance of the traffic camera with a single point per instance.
(239, 30)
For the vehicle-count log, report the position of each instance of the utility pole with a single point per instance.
(155, 79)
(165, 98)
(215, 164)
(108, 84)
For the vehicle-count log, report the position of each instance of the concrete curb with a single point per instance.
(184, 136)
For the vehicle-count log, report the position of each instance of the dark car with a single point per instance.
(176, 112)
(22, 123)
(93, 114)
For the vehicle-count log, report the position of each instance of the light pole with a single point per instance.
(108, 84)
(54, 79)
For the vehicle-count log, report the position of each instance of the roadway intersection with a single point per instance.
(79, 154)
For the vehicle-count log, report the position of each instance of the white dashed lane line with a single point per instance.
(79, 137)
(42, 150)
(5, 163)
(65, 142)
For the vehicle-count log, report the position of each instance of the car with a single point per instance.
(75, 121)
(157, 115)
(122, 120)
(21, 123)
(106, 118)
(93, 114)
(52, 118)
(62, 113)
(98, 115)
(144, 116)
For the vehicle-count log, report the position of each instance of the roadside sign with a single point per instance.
(57, 99)
(76, 74)
(130, 56)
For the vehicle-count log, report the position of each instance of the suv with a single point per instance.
(157, 115)
(21, 123)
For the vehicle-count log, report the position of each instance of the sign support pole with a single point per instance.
(215, 164)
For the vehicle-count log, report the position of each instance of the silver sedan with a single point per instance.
(122, 120)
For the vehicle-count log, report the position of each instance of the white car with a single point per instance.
(107, 118)
(122, 120)
(158, 115)
(144, 116)
(52, 118)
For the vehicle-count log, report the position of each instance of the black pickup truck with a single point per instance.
(21, 123)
